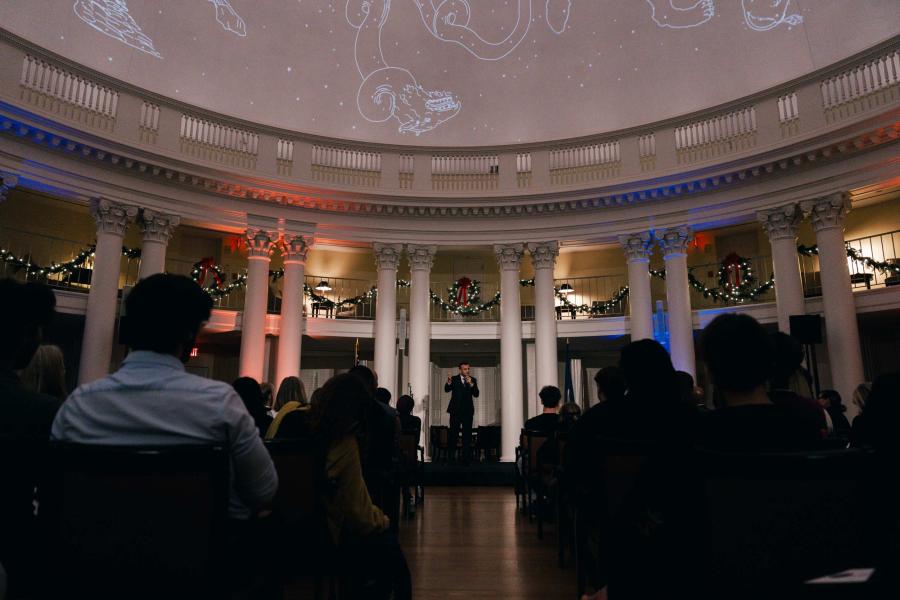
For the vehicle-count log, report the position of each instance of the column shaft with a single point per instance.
(387, 257)
(841, 327)
(781, 225)
(681, 329)
(512, 415)
(543, 257)
(100, 318)
(290, 338)
(253, 319)
(637, 247)
(420, 261)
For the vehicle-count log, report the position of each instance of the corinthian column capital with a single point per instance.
(509, 256)
(637, 246)
(295, 247)
(782, 222)
(827, 212)
(157, 226)
(543, 254)
(387, 256)
(260, 242)
(112, 217)
(421, 258)
(674, 240)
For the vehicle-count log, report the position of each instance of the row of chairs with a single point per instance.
(733, 522)
(153, 521)
(485, 443)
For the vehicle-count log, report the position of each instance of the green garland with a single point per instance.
(18, 263)
(876, 265)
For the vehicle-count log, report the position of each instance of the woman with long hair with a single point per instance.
(46, 373)
(358, 527)
(290, 402)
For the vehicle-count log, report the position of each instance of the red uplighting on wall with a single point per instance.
(700, 241)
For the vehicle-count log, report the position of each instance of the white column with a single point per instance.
(512, 412)
(100, 318)
(294, 249)
(781, 225)
(638, 247)
(7, 182)
(387, 257)
(421, 259)
(157, 230)
(841, 328)
(260, 244)
(543, 257)
(674, 243)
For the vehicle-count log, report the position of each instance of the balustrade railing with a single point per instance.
(869, 83)
(881, 248)
(590, 293)
(708, 276)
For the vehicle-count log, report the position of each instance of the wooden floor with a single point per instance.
(472, 543)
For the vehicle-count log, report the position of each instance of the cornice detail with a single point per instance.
(112, 217)
(828, 212)
(674, 241)
(387, 256)
(261, 243)
(782, 222)
(543, 254)
(421, 257)
(296, 247)
(156, 226)
(637, 246)
(509, 256)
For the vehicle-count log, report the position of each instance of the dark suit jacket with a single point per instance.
(461, 403)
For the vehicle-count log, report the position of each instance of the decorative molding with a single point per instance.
(112, 217)
(543, 254)
(509, 256)
(674, 241)
(7, 182)
(387, 256)
(782, 222)
(827, 212)
(156, 226)
(261, 243)
(421, 257)
(637, 246)
(296, 247)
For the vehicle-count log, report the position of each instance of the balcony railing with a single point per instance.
(881, 248)
(708, 276)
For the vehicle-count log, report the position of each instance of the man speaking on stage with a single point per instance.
(463, 387)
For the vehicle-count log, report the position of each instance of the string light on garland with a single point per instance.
(854, 254)
(31, 269)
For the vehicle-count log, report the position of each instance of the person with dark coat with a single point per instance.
(25, 421)
(463, 389)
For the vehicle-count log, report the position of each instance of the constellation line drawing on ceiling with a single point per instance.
(666, 15)
(228, 18)
(769, 14)
(388, 92)
(449, 21)
(111, 17)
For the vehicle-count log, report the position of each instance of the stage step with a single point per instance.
(475, 474)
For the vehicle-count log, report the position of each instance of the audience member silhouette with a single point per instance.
(151, 400)
(876, 425)
(740, 357)
(292, 418)
(548, 420)
(46, 373)
(788, 386)
(409, 423)
(268, 394)
(371, 555)
(25, 420)
(251, 394)
(830, 400)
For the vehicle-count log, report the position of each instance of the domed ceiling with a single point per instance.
(453, 72)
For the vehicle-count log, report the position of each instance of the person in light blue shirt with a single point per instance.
(151, 400)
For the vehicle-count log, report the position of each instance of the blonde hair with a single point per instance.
(290, 390)
(46, 373)
(861, 395)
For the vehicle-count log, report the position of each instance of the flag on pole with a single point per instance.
(569, 388)
(356, 353)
